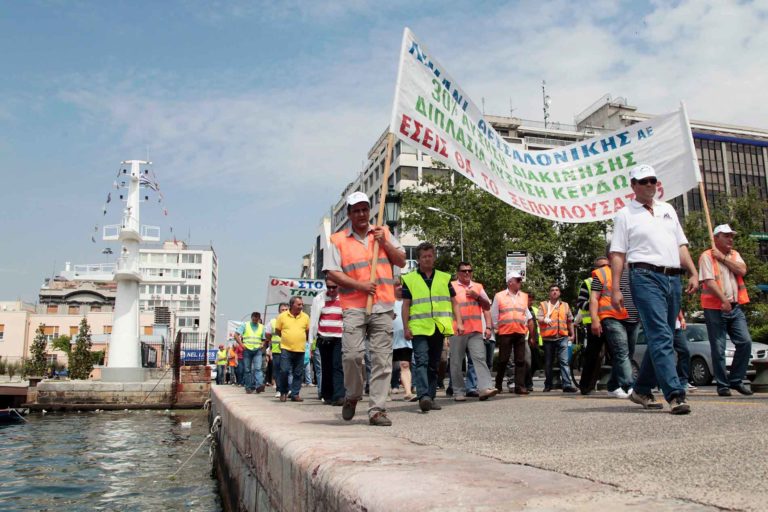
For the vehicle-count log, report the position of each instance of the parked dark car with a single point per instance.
(701, 357)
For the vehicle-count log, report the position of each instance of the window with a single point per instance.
(188, 321)
(171, 258)
(192, 258)
(74, 310)
(148, 330)
(107, 329)
(171, 289)
(190, 273)
(2, 332)
(156, 257)
(96, 308)
(189, 289)
(189, 305)
(51, 332)
(73, 330)
(50, 359)
(52, 309)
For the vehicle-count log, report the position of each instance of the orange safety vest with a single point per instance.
(559, 325)
(471, 312)
(708, 298)
(356, 263)
(232, 357)
(512, 313)
(604, 307)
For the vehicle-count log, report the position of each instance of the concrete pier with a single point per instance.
(287, 457)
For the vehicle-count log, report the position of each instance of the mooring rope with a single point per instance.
(214, 429)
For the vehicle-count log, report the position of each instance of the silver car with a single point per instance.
(701, 356)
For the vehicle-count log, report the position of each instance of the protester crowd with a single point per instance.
(403, 334)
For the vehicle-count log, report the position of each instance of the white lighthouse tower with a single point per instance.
(124, 361)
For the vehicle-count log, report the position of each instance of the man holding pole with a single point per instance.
(723, 292)
(351, 264)
(647, 234)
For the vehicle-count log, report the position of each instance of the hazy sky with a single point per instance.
(256, 114)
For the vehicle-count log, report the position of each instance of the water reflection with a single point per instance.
(106, 461)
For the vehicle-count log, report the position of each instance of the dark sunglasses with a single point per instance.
(332, 287)
(646, 181)
(468, 270)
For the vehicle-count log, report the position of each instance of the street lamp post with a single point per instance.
(461, 226)
(392, 208)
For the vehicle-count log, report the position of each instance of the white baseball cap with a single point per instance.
(642, 171)
(724, 228)
(513, 274)
(357, 197)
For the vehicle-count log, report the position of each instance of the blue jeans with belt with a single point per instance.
(733, 323)
(556, 348)
(657, 298)
(427, 351)
(291, 363)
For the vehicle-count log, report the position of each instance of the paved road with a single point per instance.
(716, 456)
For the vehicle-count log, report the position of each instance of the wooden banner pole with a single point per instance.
(380, 218)
(706, 214)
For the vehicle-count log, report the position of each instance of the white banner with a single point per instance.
(280, 289)
(582, 182)
(232, 327)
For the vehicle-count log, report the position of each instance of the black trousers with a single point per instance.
(509, 343)
(591, 361)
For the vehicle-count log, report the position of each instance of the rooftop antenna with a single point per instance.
(483, 100)
(547, 102)
(510, 107)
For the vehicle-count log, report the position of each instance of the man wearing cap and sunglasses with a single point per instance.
(647, 235)
(723, 292)
(349, 265)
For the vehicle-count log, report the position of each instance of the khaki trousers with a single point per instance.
(376, 328)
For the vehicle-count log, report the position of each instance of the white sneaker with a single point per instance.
(277, 395)
(690, 387)
(618, 393)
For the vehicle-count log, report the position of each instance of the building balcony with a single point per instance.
(126, 270)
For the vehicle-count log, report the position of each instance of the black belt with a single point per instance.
(667, 271)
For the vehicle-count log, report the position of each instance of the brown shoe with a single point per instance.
(296, 399)
(348, 410)
(260, 389)
(379, 419)
(521, 391)
(488, 393)
(283, 397)
(338, 403)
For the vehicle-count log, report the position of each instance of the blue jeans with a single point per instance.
(657, 298)
(317, 366)
(683, 357)
(291, 363)
(559, 346)
(735, 325)
(220, 369)
(252, 375)
(239, 369)
(427, 351)
(618, 334)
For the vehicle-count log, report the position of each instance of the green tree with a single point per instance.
(37, 364)
(557, 252)
(63, 343)
(80, 360)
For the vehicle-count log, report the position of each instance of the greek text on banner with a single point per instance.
(583, 182)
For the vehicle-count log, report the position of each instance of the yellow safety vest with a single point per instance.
(535, 317)
(221, 357)
(586, 319)
(253, 339)
(275, 338)
(430, 307)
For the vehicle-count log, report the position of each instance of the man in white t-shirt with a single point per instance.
(647, 235)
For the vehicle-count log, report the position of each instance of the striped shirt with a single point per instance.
(330, 324)
(629, 304)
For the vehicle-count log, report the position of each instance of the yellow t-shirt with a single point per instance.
(293, 331)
